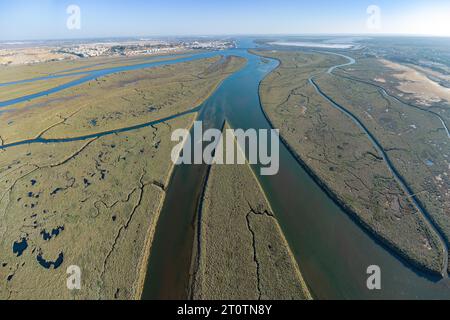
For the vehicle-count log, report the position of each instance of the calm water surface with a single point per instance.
(333, 252)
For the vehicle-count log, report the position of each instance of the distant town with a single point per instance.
(30, 53)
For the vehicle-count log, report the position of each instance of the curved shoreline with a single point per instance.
(384, 92)
(398, 177)
(385, 243)
(429, 219)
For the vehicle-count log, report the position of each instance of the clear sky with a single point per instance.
(47, 19)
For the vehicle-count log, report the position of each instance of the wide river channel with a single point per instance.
(332, 250)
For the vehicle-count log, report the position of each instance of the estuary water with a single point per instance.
(332, 251)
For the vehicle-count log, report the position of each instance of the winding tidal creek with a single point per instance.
(332, 250)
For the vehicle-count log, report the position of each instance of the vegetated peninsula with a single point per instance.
(335, 128)
(242, 253)
(83, 174)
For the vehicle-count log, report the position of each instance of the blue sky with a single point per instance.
(46, 19)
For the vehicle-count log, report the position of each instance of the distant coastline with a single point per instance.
(313, 45)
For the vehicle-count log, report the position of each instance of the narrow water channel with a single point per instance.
(169, 270)
(333, 251)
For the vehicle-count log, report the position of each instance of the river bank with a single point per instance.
(386, 240)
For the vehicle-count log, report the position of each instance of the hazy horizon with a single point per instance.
(27, 20)
(151, 37)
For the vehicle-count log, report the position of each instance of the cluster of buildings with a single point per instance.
(142, 48)
(211, 45)
(44, 51)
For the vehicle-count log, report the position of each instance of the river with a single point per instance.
(332, 250)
